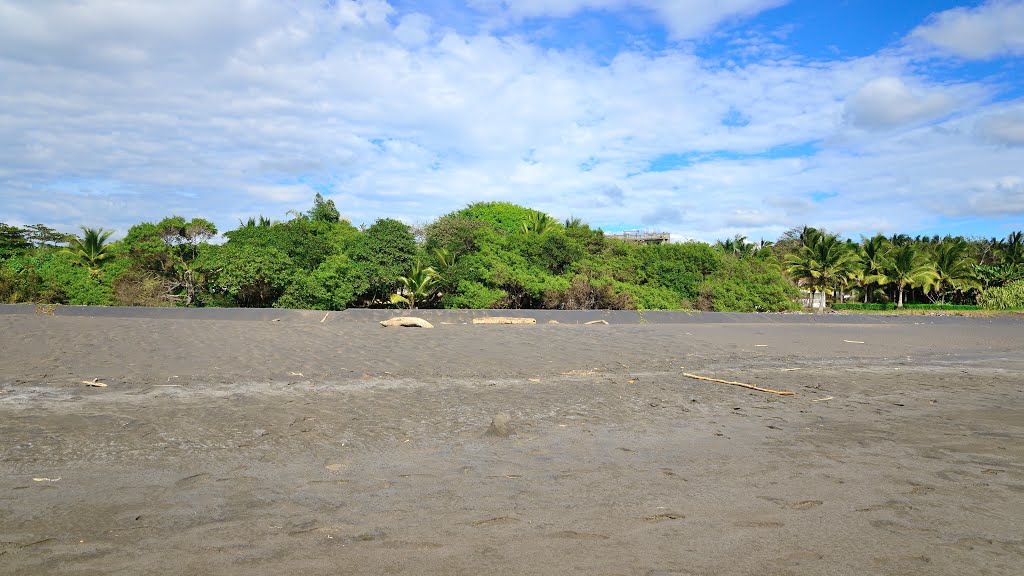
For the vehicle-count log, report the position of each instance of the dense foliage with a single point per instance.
(486, 255)
(900, 269)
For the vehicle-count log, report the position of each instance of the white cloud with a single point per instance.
(888, 101)
(233, 109)
(993, 29)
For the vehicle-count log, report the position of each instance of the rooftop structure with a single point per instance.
(641, 237)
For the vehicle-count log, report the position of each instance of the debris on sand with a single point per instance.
(605, 322)
(95, 382)
(406, 322)
(46, 479)
(501, 426)
(751, 386)
(504, 320)
(853, 341)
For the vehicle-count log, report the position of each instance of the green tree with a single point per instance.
(252, 276)
(385, 251)
(1012, 249)
(872, 263)
(92, 249)
(823, 264)
(953, 270)
(909, 267)
(13, 240)
(334, 285)
(539, 223)
(418, 286)
(43, 236)
(324, 210)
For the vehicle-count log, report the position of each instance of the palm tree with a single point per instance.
(909, 267)
(737, 246)
(538, 223)
(573, 222)
(1012, 249)
(419, 284)
(953, 270)
(825, 263)
(872, 252)
(91, 250)
(252, 222)
(445, 270)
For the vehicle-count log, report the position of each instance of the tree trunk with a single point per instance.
(899, 306)
(821, 308)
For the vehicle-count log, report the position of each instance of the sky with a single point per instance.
(702, 118)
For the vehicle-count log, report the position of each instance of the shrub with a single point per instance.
(1003, 297)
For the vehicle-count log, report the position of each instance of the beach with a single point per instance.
(315, 443)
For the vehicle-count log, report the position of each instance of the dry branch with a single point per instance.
(751, 386)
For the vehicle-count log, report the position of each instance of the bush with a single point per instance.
(137, 288)
(1003, 297)
(747, 285)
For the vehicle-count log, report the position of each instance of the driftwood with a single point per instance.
(504, 320)
(406, 321)
(751, 386)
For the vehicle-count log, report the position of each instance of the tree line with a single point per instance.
(486, 255)
(937, 270)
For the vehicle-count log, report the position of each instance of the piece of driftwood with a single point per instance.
(504, 320)
(751, 386)
(407, 322)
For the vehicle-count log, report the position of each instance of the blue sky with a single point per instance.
(703, 118)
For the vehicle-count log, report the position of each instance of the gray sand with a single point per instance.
(301, 447)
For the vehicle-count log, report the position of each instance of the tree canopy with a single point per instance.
(486, 255)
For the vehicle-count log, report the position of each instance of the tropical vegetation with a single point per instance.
(492, 255)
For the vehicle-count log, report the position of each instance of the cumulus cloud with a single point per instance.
(886, 102)
(131, 111)
(993, 29)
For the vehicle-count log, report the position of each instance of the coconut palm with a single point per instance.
(418, 285)
(737, 246)
(1012, 249)
(539, 223)
(909, 267)
(872, 263)
(953, 269)
(91, 250)
(825, 263)
(572, 223)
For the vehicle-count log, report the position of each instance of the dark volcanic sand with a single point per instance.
(208, 453)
